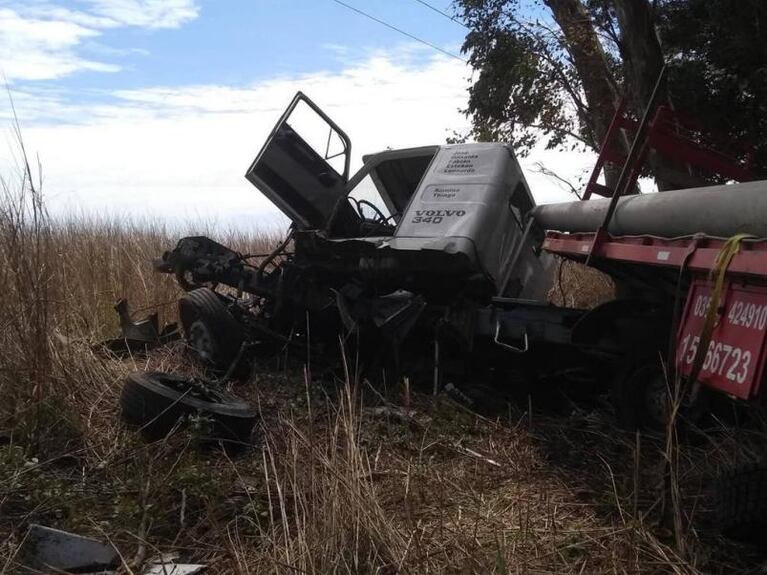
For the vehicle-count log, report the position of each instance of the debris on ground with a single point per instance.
(166, 565)
(174, 569)
(158, 403)
(395, 413)
(45, 548)
(141, 335)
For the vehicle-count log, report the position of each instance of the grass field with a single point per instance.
(331, 484)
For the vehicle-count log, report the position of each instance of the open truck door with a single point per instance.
(303, 168)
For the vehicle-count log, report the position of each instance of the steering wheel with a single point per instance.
(380, 217)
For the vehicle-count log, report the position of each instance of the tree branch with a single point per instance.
(541, 169)
(563, 131)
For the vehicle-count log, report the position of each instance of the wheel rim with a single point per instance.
(200, 340)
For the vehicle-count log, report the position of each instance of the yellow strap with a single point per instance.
(721, 263)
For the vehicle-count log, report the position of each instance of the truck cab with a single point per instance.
(425, 219)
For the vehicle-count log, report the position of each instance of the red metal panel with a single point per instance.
(691, 153)
(734, 362)
(751, 260)
(599, 189)
(737, 353)
(670, 135)
(614, 156)
(618, 122)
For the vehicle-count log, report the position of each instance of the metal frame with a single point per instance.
(260, 184)
(497, 340)
(663, 137)
(301, 97)
(372, 161)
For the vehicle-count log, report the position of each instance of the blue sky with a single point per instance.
(156, 107)
(110, 45)
(236, 42)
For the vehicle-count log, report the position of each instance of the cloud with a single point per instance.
(44, 11)
(146, 13)
(41, 41)
(36, 49)
(181, 152)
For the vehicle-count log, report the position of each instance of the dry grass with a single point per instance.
(330, 485)
(578, 286)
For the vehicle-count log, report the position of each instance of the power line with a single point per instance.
(392, 27)
(445, 14)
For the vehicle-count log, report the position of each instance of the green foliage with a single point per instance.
(717, 54)
(529, 88)
(523, 83)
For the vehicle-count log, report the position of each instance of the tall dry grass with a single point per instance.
(325, 515)
(59, 281)
(580, 287)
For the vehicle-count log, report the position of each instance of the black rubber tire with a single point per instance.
(629, 391)
(638, 407)
(156, 401)
(741, 495)
(209, 328)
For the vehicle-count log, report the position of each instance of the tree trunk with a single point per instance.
(591, 64)
(640, 49)
(643, 62)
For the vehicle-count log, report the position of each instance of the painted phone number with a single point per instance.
(722, 358)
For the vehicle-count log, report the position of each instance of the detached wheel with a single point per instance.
(156, 402)
(742, 503)
(209, 328)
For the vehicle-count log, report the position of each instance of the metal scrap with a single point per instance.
(45, 548)
(139, 335)
(166, 565)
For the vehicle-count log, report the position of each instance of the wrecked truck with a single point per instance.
(434, 264)
(425, 261)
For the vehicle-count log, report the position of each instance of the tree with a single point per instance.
(555, 69)
(534, 77)
(640, 50)
(717, 54)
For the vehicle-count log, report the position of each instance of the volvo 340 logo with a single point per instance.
(435, 216)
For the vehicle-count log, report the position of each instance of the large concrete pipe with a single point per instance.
(720, 211)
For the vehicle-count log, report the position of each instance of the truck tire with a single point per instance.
(742, 503)
(155, 402)
(640, 395)
(211, 331)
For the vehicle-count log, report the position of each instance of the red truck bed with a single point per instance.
(735, 359)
